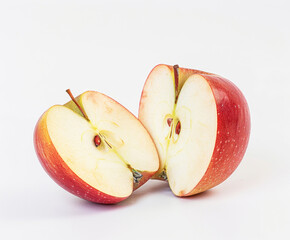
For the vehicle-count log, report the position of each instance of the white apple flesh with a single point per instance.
(101, 154)
(200, 124)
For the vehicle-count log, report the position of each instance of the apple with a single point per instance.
(95, 148)
(200, 124)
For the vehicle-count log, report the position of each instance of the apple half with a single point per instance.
(200, 124)
(95, 148)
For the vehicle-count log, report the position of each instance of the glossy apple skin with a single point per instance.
(59, 171)
(233, 129)
(233, 132)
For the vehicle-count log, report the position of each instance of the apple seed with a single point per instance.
(178, 127)
(169, 121)
(97, 140)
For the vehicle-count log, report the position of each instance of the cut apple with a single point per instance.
(95, 148)
(200, 124)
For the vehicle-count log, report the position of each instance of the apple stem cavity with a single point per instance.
(176, 79)
(76, 103)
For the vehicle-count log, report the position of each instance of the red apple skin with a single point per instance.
(58, 170)
(233, 129)
(233, 132)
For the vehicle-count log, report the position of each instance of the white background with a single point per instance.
(111, 46)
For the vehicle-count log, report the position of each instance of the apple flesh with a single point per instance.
(95, 148)
(200, 123)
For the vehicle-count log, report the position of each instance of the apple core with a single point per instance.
(111, 141)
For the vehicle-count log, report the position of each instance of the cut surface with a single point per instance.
(104, 167)
(72, 137)
(156, 106)
(185, 156)
(128, 137)
(189, 157)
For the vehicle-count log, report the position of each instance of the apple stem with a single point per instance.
(175, 70)
(76, 103)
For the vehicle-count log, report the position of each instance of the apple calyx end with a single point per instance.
(137, 176)
(163, 175)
